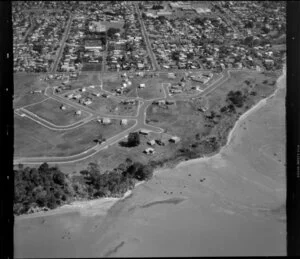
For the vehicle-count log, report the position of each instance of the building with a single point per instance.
(160, 142)
(149, 151)
(170, 102)
(124, 122)
(88, 102)
(144, 131)
(151, 142)
(105, 120)
(174, 139)
(63, 107)
(142, 86)
(96, 94)
(78, 112)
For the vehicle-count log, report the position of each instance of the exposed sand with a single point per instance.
(231, 204)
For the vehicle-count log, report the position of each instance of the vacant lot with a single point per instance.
(23, 85)
(84, 79)
(92, 67)
(51, 111)
(113, 83)
(34, 140)
(182, 119)
(114, 155)
(153, 87)
(238, 81)
(108, 105)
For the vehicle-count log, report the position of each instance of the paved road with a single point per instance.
(148, 44)
(140, 123)
(62, 44)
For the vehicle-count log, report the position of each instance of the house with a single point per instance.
(96, 94)
(144, 131)
(161, 102)
(171, 75)
(92, 86)
(142, 86)
(78, 112)
(151, 142)
(63, 107)
(124, 122)
(170, 102)
(83, 89)
(269, 62)
(105, 120)
(160, 142)
(174, 139)
(88, 102)
(77, 96)
(149, 151)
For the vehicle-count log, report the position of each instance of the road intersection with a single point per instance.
(139, 118)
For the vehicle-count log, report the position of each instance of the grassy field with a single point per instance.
(113, 83)
(84, 79)
(237, 82)
(116, 154)
(182, 119)
(50, 110)
(23, 85)
(92, 67)
(152, 90)
(32, 139)
(108, 105)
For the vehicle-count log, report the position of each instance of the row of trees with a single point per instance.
(49, 187)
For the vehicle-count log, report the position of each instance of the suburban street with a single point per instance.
(140, 123)
(148, 45)
(62, 44)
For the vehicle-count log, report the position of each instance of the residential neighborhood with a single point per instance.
(149, 128)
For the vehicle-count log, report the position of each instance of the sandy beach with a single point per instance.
(230, 204)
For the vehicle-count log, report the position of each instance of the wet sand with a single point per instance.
(228, 205)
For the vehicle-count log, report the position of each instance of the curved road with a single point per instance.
(140, 123)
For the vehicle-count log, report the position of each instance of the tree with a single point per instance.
(112, 31)
(236, 98)
(133, 139)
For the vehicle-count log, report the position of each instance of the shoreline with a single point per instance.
(81, 206)
(257, 106)
(111, 201)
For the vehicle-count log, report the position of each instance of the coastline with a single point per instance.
(230, 136)
(84, 207)
(102, 205)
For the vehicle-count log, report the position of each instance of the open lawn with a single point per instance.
(51, 111)
(84, 79)
(237, 81)
(181, 119)
(113, 83)
(153, 88)
(107, 105)
(34, 140)
(112, 156)
(23, 85)
(92, 67)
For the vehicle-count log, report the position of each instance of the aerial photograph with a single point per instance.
(149, 128)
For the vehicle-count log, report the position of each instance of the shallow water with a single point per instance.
(228, 205)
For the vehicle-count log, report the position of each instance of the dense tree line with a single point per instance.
(236, 98)
(48, 187)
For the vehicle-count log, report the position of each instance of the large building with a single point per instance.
(97, 27)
